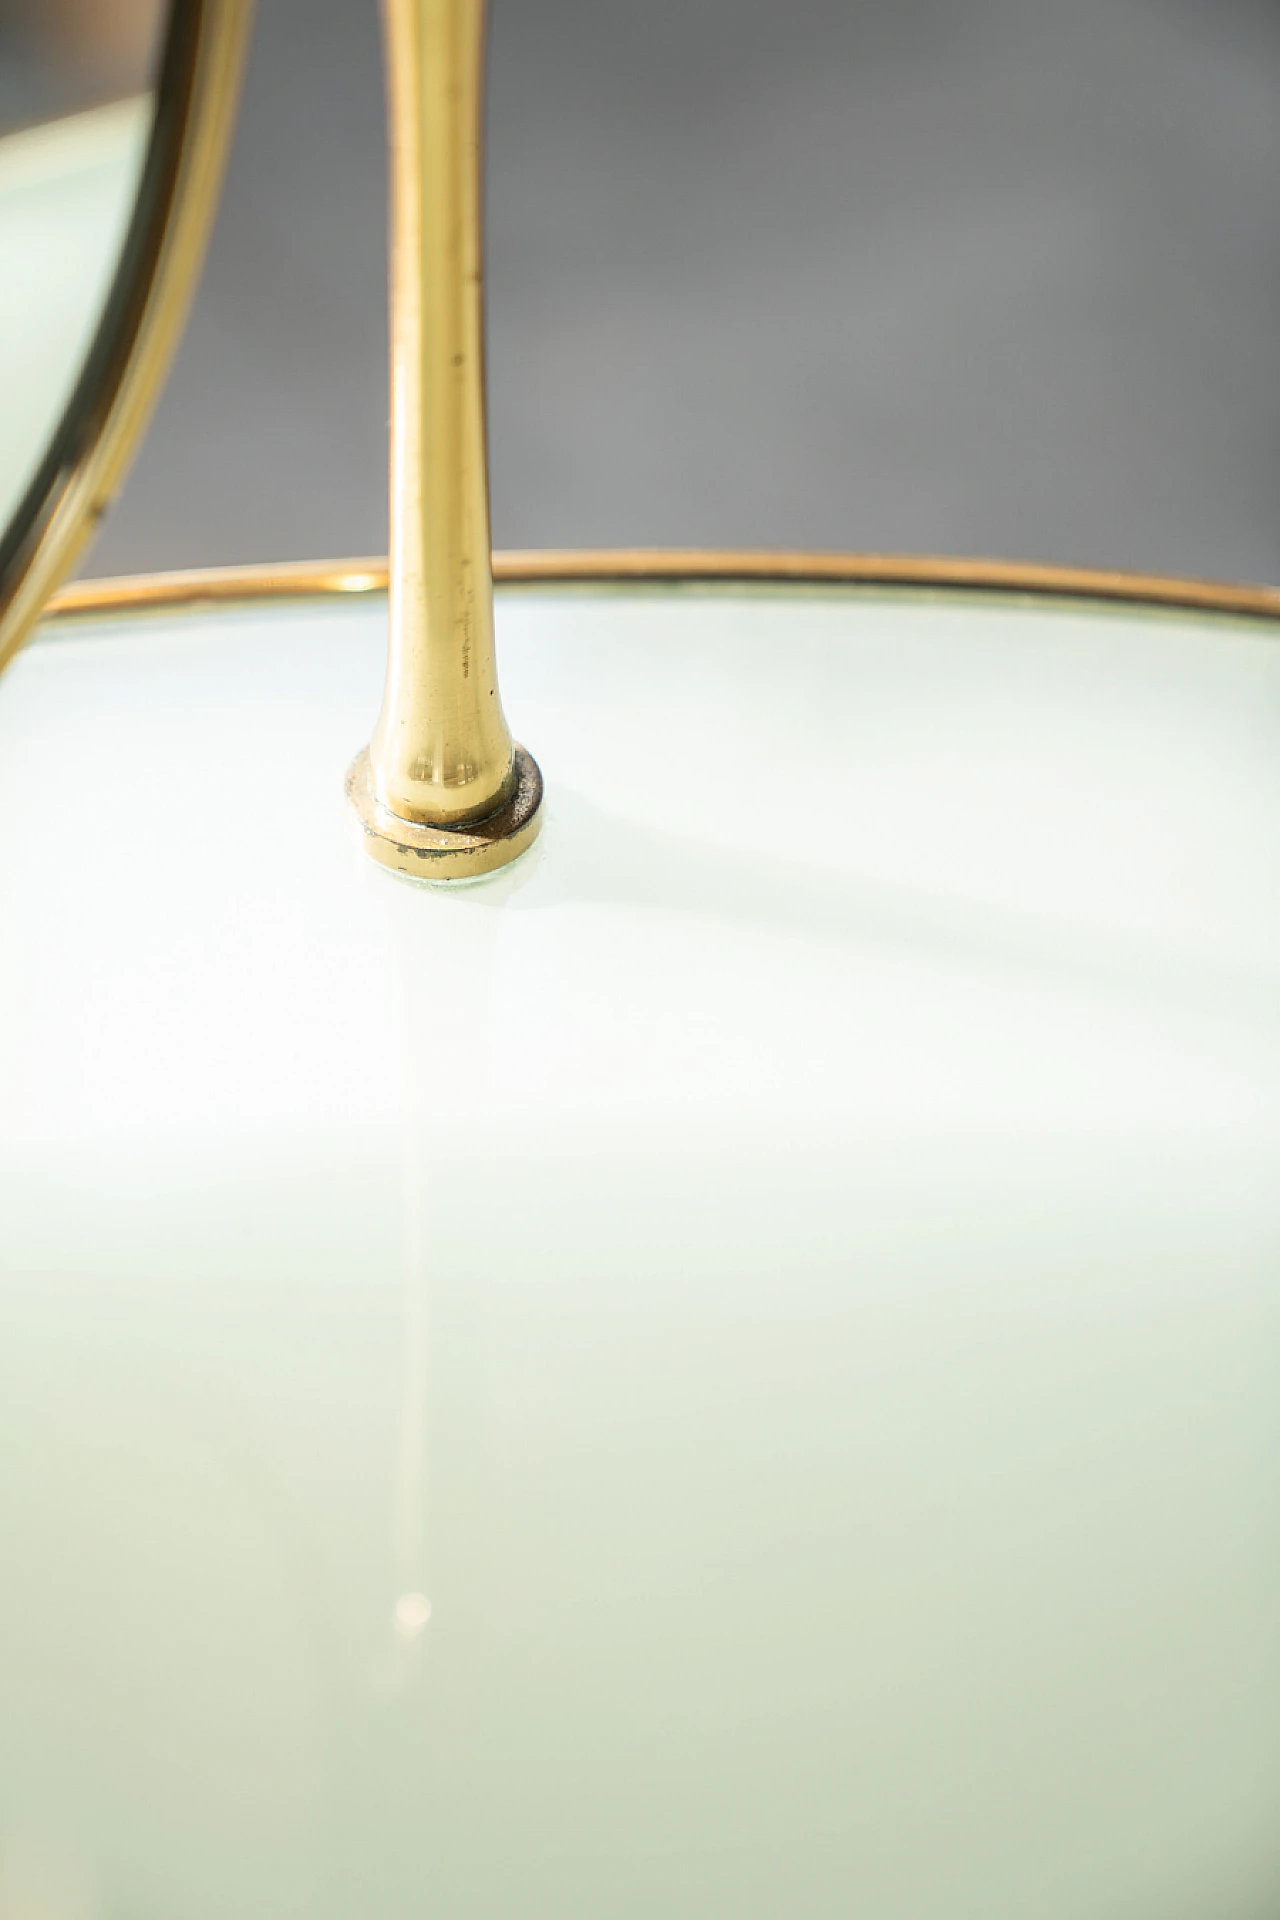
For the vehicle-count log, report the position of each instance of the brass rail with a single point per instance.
(680, 567)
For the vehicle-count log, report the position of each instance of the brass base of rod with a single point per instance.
(448, 853)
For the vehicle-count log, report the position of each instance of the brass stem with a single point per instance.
(442, 756)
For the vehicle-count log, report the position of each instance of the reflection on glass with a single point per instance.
(76, 107)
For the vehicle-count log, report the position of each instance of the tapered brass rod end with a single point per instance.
(442, 791)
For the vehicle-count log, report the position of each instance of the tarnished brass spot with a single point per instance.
(449, 853)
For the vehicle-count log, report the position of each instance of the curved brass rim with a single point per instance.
(144, 314)
(680, 566)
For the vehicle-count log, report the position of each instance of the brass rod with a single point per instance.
(442, 756)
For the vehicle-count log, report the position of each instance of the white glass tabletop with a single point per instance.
(730, 1369)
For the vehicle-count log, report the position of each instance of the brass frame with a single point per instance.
(679, 567)
(144, 314)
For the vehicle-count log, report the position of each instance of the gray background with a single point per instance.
(983, 276)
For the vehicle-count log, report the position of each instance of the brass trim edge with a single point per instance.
(676, 566)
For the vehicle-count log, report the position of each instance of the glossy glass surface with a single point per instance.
(729, 1370)
(76, 108)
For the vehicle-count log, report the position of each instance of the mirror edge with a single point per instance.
(145, 313)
